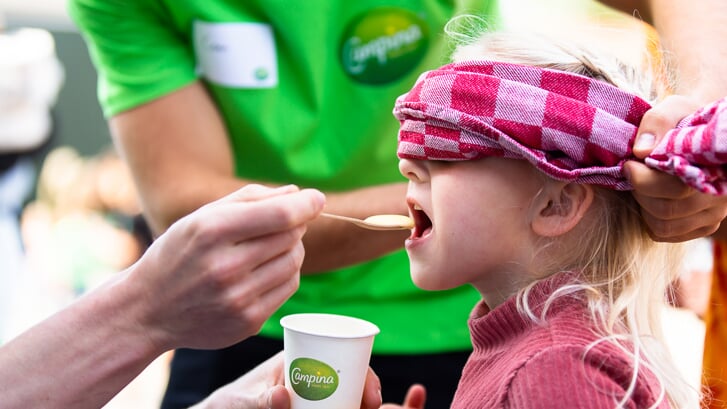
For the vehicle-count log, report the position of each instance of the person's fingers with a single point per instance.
(237, 222)
(665, 197)
(683, 229)
(250, 254)
(372, 391)
(278, 398)
(277, 365)
(280, 280)
(659, 120)
(416, 397)
(244, 223)
(238, 287)
(673, 211)
(253, 192)
(649, 182)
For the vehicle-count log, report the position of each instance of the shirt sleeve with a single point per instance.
(138, 48)
(564, 378)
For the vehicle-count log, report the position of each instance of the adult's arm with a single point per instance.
(178, 151)
(210, 281)
(692, 34)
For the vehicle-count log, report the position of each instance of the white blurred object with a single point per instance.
(48, 14)
(30, 79)
(695, 278)
(698, 258)
(684, 334)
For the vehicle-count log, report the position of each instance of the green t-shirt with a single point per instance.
(306, 89)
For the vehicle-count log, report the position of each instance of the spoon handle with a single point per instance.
(353, 220)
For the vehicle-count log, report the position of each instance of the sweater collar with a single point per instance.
(488, 327)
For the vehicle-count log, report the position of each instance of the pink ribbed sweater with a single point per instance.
(519, 364)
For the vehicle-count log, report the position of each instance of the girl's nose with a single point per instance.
(413, 169)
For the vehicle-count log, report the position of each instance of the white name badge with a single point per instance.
(240, 55)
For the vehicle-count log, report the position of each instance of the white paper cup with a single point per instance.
(326, 359)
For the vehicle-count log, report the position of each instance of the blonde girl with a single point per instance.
(515, 157)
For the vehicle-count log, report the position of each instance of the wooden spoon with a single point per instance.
(378, 222)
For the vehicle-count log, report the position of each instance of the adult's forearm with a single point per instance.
(80, 357)
(175, 171)
(692, 35)
(176, 174)
(329, 244)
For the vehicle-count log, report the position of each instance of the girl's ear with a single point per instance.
(560, 207)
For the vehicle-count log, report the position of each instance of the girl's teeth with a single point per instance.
(417, 207)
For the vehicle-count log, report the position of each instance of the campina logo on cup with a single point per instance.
(326, 359)
(312, 379)
(383, 44)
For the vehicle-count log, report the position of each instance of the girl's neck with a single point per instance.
(497, 288)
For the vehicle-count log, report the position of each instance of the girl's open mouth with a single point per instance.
(422, 222)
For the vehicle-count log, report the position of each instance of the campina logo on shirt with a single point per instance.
(312, 379)
(383, 44)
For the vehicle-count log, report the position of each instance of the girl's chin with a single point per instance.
(428, 282)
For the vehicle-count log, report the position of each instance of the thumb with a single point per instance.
(253, 192)
(659, 120)
(278, 398)
(644, 144)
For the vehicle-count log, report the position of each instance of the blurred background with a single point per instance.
(75, 207)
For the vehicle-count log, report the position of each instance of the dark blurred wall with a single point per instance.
(79, 120)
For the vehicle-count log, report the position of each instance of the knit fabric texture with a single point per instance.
(571, 127)
(518, 363)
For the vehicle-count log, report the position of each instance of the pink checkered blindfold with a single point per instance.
(571, 127)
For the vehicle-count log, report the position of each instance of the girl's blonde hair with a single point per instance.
(626, 275)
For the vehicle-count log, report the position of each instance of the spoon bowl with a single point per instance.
(377, 222)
